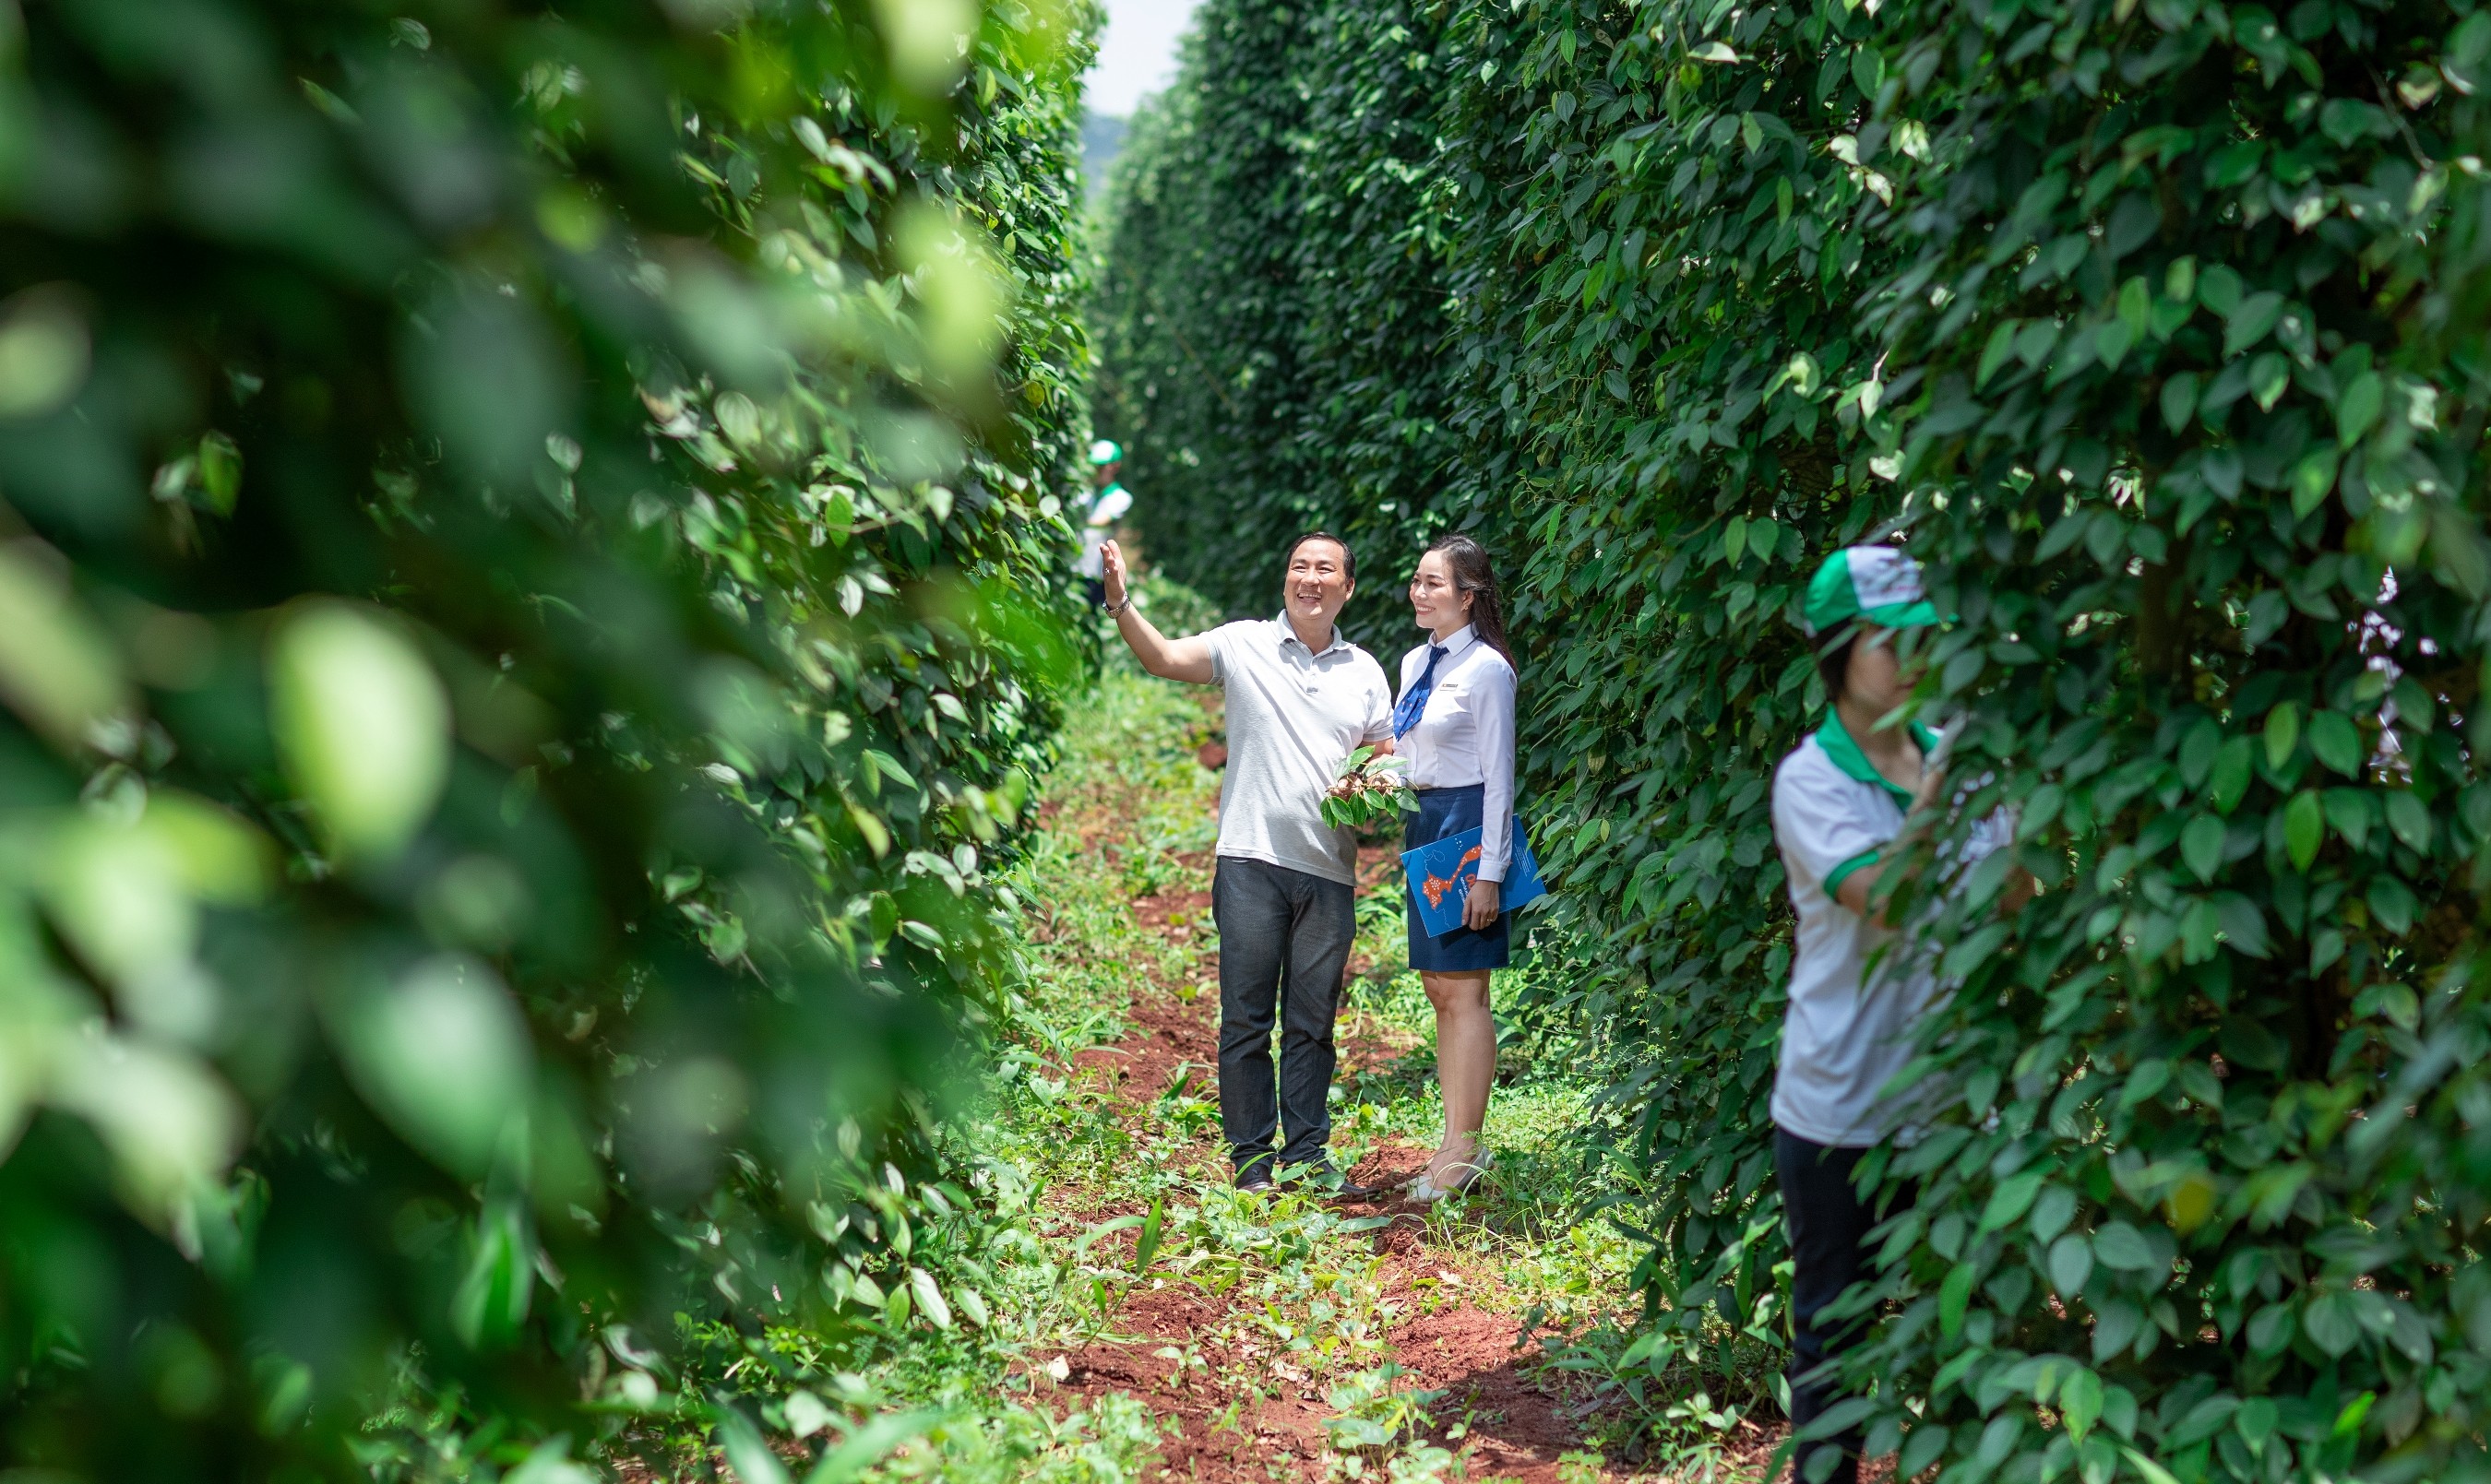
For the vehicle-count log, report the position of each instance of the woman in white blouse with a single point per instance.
(1454, 726)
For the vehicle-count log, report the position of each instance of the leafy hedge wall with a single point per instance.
(1270, 303)
(2154, 329)
(532, 597)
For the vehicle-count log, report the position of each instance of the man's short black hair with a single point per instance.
(1348, 557)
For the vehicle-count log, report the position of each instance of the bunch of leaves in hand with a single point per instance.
(1371, 792)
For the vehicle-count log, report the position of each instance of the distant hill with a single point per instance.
(1103, 139)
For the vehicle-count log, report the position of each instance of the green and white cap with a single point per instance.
(1104, 452)
(1877, 584)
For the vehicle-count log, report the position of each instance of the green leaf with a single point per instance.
(2256, 1419)
(2333, 1321)
(2116, 1322)
(2179, 401)
(2348, 809)
(363, 723)
(929, 1298)
(1954, 1295)
(492, 1304)
(2358, 408)
(2219, 288)
(2052, 1210)
(2197, 750)
(2072, 1263)
(2392, 903)
(1149, 1246)
(2001, 346)
(2112, 342)
(2249, 323)
(220, 472)
(2080, 1402)
(879, 761)
(2325, 948)
(2201, 846)
(2135, 305)
(2119, 1246)
(1922, 1446)
(2304, 827)
(2011, 1200)
(2282, 733)
(2335, 741)
(1105, 1228)
(2313, 478)
(2410, 818)
(2229, 781)
(869, 1444)
(746, 1452)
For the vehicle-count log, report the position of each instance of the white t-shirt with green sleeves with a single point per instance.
(1848, 1027)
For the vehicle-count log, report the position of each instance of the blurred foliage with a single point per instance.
(2157, 330)
(531, 592)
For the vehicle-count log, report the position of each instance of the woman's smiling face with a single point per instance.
(1435, 602)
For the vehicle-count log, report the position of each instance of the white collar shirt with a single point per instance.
(1465, 735)
(1293, 716)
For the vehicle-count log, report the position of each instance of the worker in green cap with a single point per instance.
(1841, 803)
(1109, 504)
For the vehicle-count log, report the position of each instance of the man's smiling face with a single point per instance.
(1318, 582)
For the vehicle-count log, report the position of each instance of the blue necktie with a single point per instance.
(1415, 699)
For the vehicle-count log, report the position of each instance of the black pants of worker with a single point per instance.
(1829, 1226)
(1284, 939)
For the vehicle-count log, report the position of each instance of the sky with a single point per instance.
(1137, 55)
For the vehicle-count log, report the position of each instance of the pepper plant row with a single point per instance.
(2156, 331)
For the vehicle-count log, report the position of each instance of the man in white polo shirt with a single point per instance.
(1299, 699)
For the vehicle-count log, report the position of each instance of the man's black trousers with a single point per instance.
(1284, 939)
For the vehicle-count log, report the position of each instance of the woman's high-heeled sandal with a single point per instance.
(1426, 1192)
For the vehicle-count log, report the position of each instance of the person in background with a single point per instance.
(1301, 699)
(1455, 728)
(1110, 504)
(1841, 803)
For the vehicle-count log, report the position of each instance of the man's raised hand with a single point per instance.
(1113, 555)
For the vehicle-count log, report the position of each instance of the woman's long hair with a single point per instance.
(1473, 575)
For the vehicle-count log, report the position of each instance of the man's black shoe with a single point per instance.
(1259, 1184)
(1350, 1190)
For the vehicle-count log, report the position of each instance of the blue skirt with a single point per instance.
(1444, 811)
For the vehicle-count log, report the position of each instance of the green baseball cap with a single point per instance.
(1104, 452)
(1877, 584)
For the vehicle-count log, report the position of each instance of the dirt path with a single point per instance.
(1245, 1411)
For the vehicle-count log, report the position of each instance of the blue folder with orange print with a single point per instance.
(1441, 874)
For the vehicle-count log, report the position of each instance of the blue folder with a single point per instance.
(1441, 876)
